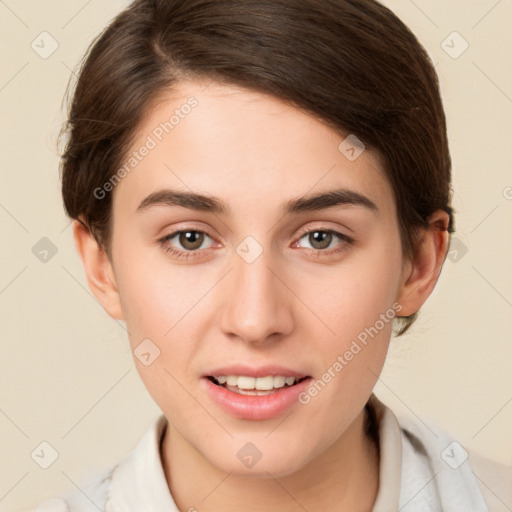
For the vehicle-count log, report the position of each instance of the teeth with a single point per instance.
(258, 383)
(263, 383)
(232, 380)
(279, 381)
(246, 382)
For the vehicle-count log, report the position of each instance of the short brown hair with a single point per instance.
(351, 63)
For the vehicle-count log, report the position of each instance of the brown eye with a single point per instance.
(324, 242)
(191, 240)
(185, 243)
(320, 239)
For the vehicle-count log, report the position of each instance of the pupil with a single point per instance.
(321, 237)
(189, 239)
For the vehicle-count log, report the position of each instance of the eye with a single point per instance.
(322, 239)
(191, 240)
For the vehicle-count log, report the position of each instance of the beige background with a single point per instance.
(66, 372)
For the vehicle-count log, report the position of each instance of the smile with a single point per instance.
(250, 393)
(256, 386)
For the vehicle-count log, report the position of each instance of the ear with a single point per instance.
(98, 269)
(420, 274)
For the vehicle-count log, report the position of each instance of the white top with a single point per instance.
(419, 471)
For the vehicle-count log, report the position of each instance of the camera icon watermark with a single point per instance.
(351, 147)
(44, 45)
(249, 249)
(454, 45)
(454, 455)
(44, 455)
(44, 250)
(146, 352)
(249, 454)
(457, 250)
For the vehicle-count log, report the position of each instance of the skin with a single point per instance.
(294, 305)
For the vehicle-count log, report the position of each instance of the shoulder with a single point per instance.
(91, 496)
(459, 471)
(436, 472)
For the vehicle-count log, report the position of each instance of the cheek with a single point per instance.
(357, 306)
(351, 296)
(163, 303)
(156, 296)
(158, 305)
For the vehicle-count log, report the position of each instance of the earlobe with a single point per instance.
(98, 270)
(422, 272)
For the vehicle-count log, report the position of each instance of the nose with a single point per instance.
(257, 306)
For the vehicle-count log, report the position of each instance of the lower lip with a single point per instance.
(253, 407)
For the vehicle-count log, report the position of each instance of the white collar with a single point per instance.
(138, 482)
(428, 484)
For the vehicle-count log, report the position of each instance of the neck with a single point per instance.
(343, 478)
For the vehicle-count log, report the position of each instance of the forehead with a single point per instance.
(252, 150)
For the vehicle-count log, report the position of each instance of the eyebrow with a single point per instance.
(212, 204)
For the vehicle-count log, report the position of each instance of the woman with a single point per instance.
(261, 191)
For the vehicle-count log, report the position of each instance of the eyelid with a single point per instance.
(191, 226)
(337, 231)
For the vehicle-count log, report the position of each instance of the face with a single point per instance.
(238, 292)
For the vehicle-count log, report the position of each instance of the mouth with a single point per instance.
(255, 393)
(255, 386)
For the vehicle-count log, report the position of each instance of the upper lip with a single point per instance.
(252, 371)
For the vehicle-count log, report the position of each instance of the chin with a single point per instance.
(260, 457)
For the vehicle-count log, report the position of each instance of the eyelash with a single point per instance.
(347, 241)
